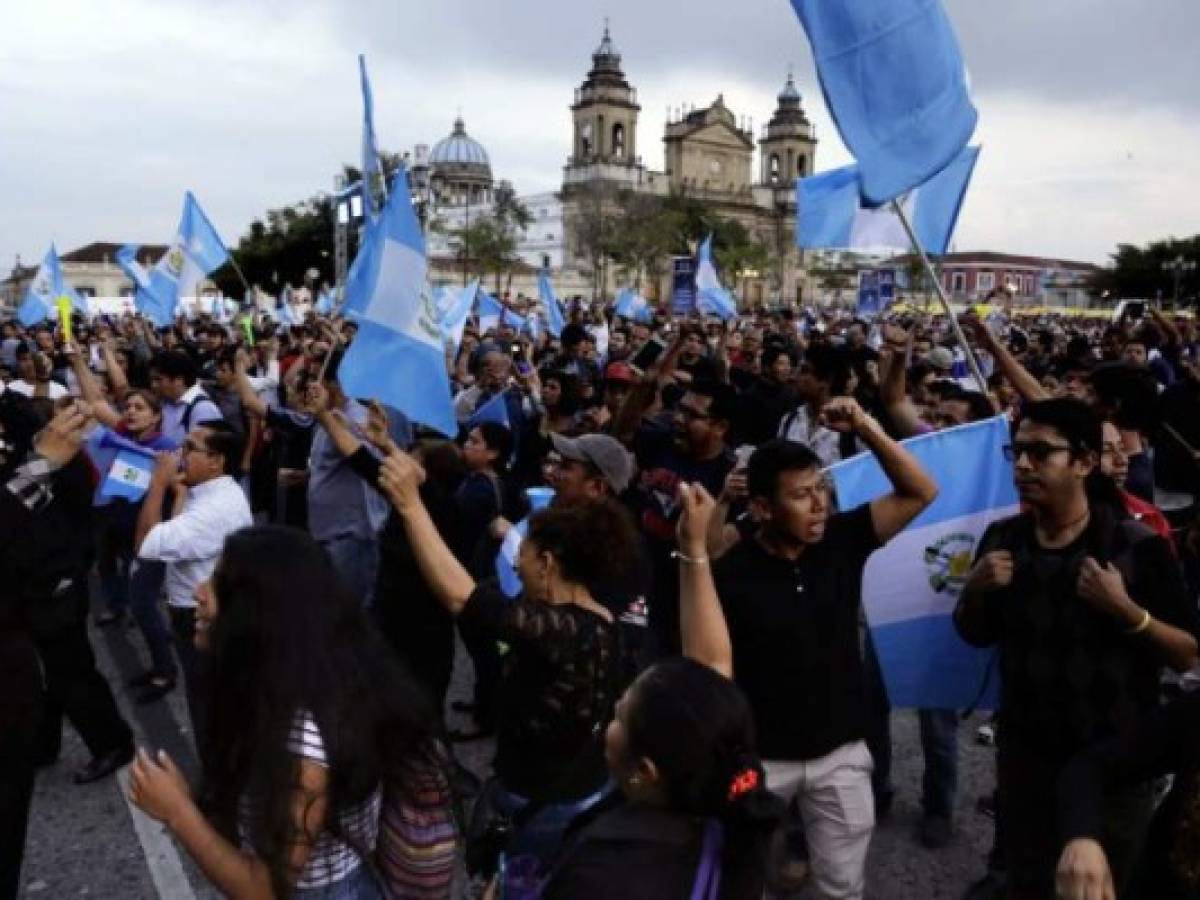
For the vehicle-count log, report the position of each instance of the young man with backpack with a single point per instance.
(1086, 606)
(185, 404)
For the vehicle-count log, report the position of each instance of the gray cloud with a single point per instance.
(110, 111)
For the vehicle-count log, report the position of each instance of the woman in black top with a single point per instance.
(558, 683)
(693, 816)
(1167, 741)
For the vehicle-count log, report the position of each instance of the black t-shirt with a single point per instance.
(1069, 674)
(558, 686)
(795, 632)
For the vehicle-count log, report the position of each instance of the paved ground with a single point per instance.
(87, 841)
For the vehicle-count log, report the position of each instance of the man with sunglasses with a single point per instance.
(1086, 608)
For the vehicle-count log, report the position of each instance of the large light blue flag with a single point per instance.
(398, 354)
(195, 251)
(495, 410)
(554, 313)
(40, 302)
(830, 212)
(372, 168)
(457, 307)
(895, 84)
(634, 307)
(911, 584)
(711, 298)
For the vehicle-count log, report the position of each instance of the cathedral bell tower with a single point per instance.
(788, 147)
(604, 114)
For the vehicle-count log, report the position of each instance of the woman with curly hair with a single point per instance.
(315, 737)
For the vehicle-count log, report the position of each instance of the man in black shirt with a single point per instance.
(792, 597)
(1086, 607)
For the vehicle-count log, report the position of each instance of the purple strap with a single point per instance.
(708, 873)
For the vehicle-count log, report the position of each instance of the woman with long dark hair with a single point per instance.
(311, 726)
(692, 817)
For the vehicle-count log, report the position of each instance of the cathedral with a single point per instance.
(709, 155)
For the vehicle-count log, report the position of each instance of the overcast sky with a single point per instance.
(1089, 109)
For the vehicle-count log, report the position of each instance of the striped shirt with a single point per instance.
(331, 859)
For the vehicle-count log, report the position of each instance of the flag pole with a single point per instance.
(972, 362)
(238, 270)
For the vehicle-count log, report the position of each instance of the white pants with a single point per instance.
(838, 808)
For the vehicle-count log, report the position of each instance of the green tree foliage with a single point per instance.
(1138, 272)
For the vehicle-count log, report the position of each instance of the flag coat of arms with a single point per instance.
(911, 585)
(40, 301)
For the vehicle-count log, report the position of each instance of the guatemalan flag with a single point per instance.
(493, 313)
(830, 212)
(195, 251)
(554, 313)
(711, 298)
(372, 168)
(510, 547)
(896, 86)
(634, 307)
(40, 302)
(455, 307)
(128, 469)
(398, 354)
(911, 584)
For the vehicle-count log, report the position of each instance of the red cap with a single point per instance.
(619, 371)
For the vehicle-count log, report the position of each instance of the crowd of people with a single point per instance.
(635, 538)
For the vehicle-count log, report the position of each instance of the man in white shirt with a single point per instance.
(207, 506)
(33, 375)
(184, 403)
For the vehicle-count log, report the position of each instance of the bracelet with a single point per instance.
(690, 560)
(1142, 625)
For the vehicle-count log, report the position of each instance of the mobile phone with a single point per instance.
(516, 349)
(646, 356)
(666, 329)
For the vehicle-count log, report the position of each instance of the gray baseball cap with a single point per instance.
(603, 452)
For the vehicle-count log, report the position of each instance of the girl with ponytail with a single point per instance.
(692, 817)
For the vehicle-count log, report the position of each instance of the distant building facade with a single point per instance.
(91, 269)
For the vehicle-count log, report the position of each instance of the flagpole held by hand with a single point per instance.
(898, 208)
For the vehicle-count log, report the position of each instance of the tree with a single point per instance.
(1138, 272)
(486, 247)
(644, 235)
(594, 232)
(281, 246)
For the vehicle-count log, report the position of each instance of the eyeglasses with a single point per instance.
(1037, 451)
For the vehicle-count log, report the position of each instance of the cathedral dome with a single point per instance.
(459, 149)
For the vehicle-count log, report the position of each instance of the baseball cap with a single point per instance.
(940, 358)
(603, 452)
(619, 371)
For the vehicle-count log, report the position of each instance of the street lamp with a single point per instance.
(1179, 266)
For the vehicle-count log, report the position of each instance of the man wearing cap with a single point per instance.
(586, 469)
(618, 381)
(941, 360)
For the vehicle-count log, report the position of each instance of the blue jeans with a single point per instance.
(145, 585)
(358, 885)
(357, 563)
(939, 743)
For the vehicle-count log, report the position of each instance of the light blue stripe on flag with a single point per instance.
(830, 212)
(896, 86)
(911, 585)
(398, 355)
(495, 410)
(128, 475)
(40, 301)
(711, 298)
(554, 314)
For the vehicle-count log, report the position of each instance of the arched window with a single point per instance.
(802, 166)
(618, 141)
(774, 165)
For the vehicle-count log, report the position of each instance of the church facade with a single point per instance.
(711, 155)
